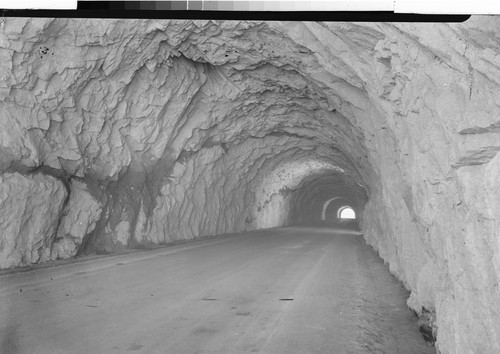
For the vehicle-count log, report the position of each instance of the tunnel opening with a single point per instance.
(346, 217)
(346, 213)
(318, 198)
(340, 212)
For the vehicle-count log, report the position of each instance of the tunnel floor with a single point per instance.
(288, 290)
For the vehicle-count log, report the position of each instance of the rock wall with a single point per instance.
(442, 105)
(129, 133)
(29, 217)
(78, 219)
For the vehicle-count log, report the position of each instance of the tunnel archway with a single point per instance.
(323, 211)
(333, 207)
(317, 198)
(342, 212)
(160, 133)
(327, 203)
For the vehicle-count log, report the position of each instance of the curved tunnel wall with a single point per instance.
(331, 208)
(125, 133)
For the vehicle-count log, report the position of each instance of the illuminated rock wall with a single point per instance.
(129, 133)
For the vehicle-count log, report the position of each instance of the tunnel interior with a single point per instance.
(339, 211)
(129, 133)
(312, 202)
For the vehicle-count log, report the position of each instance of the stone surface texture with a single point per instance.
(30, 209)
(79, 218)
(129, 133)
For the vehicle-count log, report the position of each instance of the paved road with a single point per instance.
(290, 290)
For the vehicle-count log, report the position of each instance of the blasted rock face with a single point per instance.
(79, 218)
(30, 209)
(166, 130)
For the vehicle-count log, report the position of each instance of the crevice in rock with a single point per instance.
(478, 157)
(64, 205)
(427, 325)
(492, 128)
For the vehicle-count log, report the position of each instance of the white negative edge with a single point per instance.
(39, 4)
(451, 7)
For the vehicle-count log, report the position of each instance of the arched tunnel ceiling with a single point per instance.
(125, 133)
(140, 108)
(193, 80)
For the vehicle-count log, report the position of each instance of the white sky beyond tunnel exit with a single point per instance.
(347, 213)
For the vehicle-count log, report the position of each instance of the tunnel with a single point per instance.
(121, 134)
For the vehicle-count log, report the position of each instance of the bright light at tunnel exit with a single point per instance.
(347, 213)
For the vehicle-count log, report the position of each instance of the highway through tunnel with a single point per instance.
(119, 135)
(284, 290)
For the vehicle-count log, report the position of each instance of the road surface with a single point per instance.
(288, 290)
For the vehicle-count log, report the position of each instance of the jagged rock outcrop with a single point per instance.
(79, 218)
(167, 130)
(30, 209)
